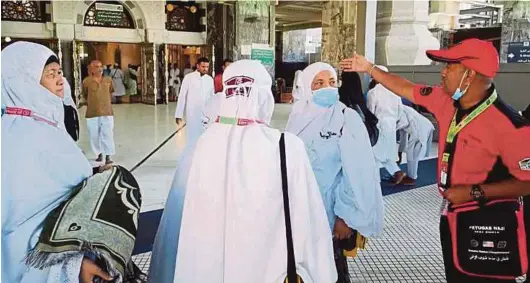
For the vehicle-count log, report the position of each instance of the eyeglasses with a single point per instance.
(53, 74)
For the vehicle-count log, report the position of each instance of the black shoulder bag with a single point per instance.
(291, 263)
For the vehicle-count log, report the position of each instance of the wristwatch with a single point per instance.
(477, 193)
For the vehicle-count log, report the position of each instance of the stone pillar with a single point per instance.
(148, 73)
(220, 32)
(443, 14)
(254, 24)
(402, 33)
(515, 37)
(343, 30)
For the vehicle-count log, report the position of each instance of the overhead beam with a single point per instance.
(479, 10)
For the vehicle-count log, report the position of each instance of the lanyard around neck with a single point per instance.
(454, 129)
(15, 111)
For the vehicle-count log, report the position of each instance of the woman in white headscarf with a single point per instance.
(40, 162)
(341, 156)
(233, 227)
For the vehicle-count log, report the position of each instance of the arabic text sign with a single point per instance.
(519, 52)
(109, 13)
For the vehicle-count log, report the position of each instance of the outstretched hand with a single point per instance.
(357, 63)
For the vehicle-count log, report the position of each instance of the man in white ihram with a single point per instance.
(233, 225)
(197, 88)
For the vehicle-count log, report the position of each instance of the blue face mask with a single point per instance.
(326, 97)
(458, 92)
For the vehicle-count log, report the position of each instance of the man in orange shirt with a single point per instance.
(218, 80)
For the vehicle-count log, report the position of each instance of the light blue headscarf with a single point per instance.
(40, 164)
(341, 155)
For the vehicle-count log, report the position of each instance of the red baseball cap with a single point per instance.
(477, 55)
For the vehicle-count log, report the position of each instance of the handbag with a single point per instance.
(489, 240)
(292, 276)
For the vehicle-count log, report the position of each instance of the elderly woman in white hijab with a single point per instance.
(233, 227)
(35, 152)
(341, 156)
(387, 107)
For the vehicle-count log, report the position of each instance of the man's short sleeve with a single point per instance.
(515, 152)
(433, 98)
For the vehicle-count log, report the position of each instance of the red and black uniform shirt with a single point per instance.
(495, 146)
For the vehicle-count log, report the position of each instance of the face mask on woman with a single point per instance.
(326, 97)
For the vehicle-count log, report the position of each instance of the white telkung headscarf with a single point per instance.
(296, 86)
(40, 164)
(304, 110)
(239, 205)
(343, 163)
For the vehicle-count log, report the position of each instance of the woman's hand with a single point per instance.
(89, 270)
(341, 231)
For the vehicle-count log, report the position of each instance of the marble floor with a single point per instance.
(408, 251)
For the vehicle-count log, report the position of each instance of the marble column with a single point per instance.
(443, 14)
(148, 73)
(515, 36)
(343, 29)
(254, 24)
(221, 30)
(402, 33)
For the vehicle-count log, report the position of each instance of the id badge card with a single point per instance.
(443, 177)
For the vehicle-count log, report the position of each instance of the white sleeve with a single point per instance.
(312, 236)
(183, 95)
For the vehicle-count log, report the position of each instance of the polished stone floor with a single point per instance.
(408, 250)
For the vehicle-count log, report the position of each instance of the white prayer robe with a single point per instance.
(416, 138)
(387, 107)
(341, 156)
(195, 91)
(40, 165)
(233, 227)
(117, 82)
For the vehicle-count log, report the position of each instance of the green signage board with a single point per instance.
(266, 56)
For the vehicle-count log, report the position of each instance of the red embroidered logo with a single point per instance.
(238, 86)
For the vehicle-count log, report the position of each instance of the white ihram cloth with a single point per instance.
(117, 82)
(417, 138)
(40, 164)
(233, 227)
(341, 156)
(101, 133)
(387, 107)
(195, 92)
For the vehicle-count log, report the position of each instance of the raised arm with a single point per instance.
(394, 83)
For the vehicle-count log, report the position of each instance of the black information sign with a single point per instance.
(519, 52)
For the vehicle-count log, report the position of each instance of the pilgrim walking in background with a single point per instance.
(218, 80)
(97, 91)
(415, 140)
(197, 88)
(341, 156)
(174, 81)
(387, 107)
(234, 220)
(116, 74)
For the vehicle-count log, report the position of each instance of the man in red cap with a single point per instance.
(484, 150)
